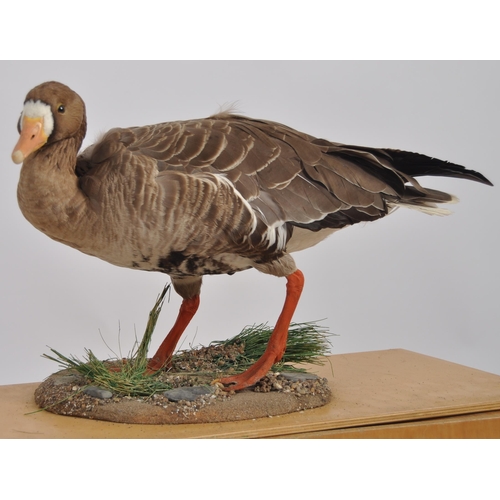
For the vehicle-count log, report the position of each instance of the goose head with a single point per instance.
(52, 112)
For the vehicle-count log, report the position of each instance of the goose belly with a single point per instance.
(179, 264)
(173, 263)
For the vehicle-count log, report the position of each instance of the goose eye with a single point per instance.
(61, 109)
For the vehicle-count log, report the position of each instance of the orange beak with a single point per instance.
(32, 138)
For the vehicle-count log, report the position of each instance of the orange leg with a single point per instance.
(167, 347)
(277, 343)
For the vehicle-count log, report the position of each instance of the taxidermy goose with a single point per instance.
(212, 196)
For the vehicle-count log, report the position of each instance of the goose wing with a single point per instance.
(284, 175)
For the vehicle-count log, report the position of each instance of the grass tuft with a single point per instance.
(127, 376)
(307, 343)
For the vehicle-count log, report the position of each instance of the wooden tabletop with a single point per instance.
(391, 393)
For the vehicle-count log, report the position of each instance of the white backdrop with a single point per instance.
(427, 284)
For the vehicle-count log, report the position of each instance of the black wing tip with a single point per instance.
(460, 172)
(480, 178)
(417, 164)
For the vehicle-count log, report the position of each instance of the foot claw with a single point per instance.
(242, 380)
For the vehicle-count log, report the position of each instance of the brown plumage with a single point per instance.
(210, 196)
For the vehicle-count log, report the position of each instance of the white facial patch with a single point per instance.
(38, 109)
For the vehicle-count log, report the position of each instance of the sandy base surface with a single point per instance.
(276, 394)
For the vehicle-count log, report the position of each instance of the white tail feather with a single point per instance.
(426, 209)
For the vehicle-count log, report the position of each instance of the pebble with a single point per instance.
(298, 376)
(188, 393)
(97, 392)
(65, 379)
